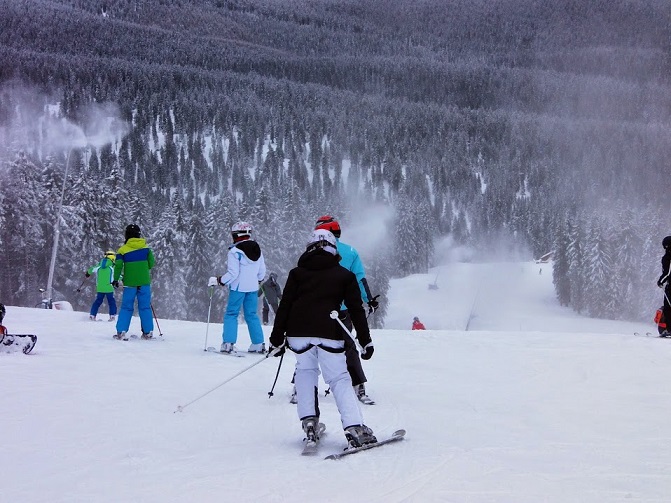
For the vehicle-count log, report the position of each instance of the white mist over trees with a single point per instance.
(504, 126)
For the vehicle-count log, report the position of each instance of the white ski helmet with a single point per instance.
(241, 230)
(321, 238)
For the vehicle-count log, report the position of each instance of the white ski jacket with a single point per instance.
(245, 268)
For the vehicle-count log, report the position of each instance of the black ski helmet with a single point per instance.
(133, 231)
(666, 242)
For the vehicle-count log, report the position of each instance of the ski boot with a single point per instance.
(92, 317)
(311, 428)
(121, 336)
(257, 348)
(112, 317)
(360, 390)
(227, 347)
(147, 335)
(359, 435)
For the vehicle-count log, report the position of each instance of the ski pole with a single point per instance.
(209, 309)
(79, 288)
(334, 315)
(156, 319)
(180, 408)
(270, 393)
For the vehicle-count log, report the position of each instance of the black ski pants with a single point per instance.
(354, 366)
(667, 307)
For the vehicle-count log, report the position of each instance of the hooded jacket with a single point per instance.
(317, 286)
(134, 259)
(104, 275)
(245, 267)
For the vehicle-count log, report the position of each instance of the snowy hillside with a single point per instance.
(533, 403)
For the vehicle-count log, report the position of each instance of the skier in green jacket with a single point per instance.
(134, 261)
(105, 274)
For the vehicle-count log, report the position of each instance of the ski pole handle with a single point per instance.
(334, 315)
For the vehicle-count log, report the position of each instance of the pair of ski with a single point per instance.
(212, 349)
(134, 337)
(10, 343)
(311, 446)
(649, 334)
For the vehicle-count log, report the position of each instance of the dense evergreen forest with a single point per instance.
(511, 128)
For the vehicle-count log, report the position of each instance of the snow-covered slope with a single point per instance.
(532, 403)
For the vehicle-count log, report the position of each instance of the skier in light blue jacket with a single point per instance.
(245, 271)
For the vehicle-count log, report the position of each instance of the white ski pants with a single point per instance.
(334, 369)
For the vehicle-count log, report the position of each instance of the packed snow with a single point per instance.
(507, 397)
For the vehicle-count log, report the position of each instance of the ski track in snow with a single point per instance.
(533, 403)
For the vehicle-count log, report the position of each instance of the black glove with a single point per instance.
(660, 284)
(115, 284)
(281, 349)
(87, 275)
(373, 304)
(219, 281)
(367, 351)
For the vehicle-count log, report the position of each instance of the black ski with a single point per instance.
(311, 446)
(13, 342)
(395, 437)
(649, 334)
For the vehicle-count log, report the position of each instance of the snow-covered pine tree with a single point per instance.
(575, 255)
(200, 252)
(598, 266)
(560, 264)
(626, 281)
(26, 250)
(168, 241)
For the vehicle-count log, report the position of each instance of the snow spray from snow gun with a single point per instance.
(180, 408)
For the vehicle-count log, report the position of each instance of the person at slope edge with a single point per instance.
(351, 261)
(246, 269)
(104, 272)
(664, 281)
(314, 289)
(134, 261)
(417, 325)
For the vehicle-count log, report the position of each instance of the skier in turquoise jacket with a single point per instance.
(351, 261)
(104, 272)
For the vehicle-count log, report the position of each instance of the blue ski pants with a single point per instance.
(249, 303)
(99, 302)
(143, 296)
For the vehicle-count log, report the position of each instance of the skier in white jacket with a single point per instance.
(246, 269)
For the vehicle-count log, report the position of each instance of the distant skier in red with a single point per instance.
(417, 325)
